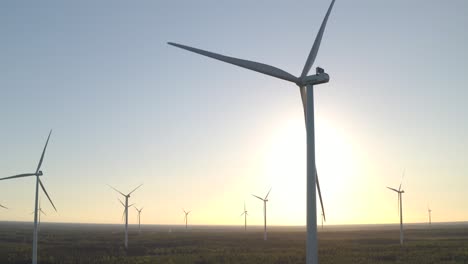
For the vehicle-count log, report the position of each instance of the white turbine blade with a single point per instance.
(392, 189)
(48, 197)
(131, 205)
(403, 175)
(5, 207)
(18, 176)
(188, 212)
(251, 65)
(320, 194)
(116, 190)
(316, 46)
(267, 194)
(121, 203)
(123, 214)
(135, 189)
(40, 210)
(257, 197)
(43, 152)
(242, 214)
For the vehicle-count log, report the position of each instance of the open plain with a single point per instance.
(88, 243)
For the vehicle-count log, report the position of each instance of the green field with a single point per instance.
(68, 243)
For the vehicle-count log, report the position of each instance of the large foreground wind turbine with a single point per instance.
(400, 207)
(306, 84)
(139, 217)
(38, 182)
(265, 200)
(126, 206)
(186, 217)
(245, 217)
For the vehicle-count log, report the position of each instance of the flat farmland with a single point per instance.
(83, 243)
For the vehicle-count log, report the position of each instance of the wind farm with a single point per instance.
(211, 103)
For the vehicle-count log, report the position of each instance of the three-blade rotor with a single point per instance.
(37, 173)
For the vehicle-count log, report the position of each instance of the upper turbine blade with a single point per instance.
(392, 189)
(117, 190)
(320, 194)
(18, 176)
(48, 197)
(267, 194)
(316, 46)
(258, 197)
(251, 65)
(43, 152)
(135, 189)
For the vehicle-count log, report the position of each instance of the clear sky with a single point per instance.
(126, 108)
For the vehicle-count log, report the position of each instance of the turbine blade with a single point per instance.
(258, 197)
(5, 207)
(267, 194)
(135, 189)
(18, 176)
(43, 152)
(403, 175)
(320, 195)
(242, 214)
(131, 205)
(48, 197)
(116, 190)
(313, 52)
(40, 210)
(392, 189)
(251, 65)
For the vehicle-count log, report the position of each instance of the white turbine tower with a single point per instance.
(36, 211)
(400, 207)
(306, 84)
(139, 218)
(265, 200)
(126, 206)
(429, 211)
(186, 217)
(245, 217)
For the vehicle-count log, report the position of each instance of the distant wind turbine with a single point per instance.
(186, 217)
(265, 200)
(126, 206)
(38, 182)
(306, 84)
(39, 215)
(245, 217)
(139, 217)
(400, 205)
(429, 211)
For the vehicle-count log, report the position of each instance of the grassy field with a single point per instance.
(67, 243)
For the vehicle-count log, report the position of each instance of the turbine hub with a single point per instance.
(39, 173)
(320, 77)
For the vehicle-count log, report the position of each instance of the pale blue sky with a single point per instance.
(126, 108)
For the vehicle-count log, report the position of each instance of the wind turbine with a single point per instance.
(38, 182)
(306, 84)
(186, 217)
(400, 205)
(245, 217)
(265, 200)
(139, 217)
(40, 212)
(126, 206)
(429, 211)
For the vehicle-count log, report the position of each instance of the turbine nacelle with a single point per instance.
(39, 173)
(320, 77)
